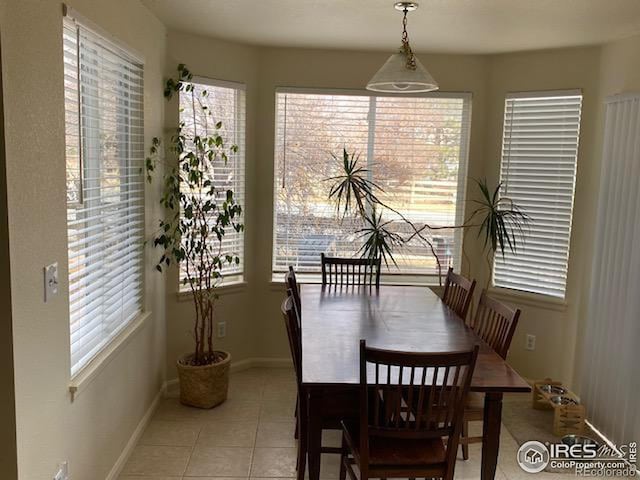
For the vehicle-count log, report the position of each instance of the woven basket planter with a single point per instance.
(203, 386)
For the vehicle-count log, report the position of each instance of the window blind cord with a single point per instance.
(80, 155)
(284, 144)
(510, 129)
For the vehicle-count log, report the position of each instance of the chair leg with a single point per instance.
(465, 436)
(301, 431)
(343, 460)
(301, 461)
(296, 433)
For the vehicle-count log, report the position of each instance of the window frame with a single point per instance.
(238, 278)
(390, 277)
(556, 301)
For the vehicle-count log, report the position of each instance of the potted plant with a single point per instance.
(191, 235)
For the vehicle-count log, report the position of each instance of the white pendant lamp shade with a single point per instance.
(396, 77)
(403, 72)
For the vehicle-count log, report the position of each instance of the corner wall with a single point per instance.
(254, 324)
(91, 432)
(255, 327)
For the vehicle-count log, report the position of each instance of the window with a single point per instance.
(538, 172)
(415, 148)
(105, 188)
(224, 102)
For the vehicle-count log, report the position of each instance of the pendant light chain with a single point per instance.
(406, 48)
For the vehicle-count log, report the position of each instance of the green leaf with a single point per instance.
(502, 222)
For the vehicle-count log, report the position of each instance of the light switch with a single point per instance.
(50, 281)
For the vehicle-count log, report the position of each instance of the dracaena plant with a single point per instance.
(198, 214)
(498, 219)
(502, 223)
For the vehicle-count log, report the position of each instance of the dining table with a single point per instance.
(406, 318)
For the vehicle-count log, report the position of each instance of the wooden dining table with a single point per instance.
(406, 318)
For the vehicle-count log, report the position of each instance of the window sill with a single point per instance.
(546, 302)
(230, 288)
(430, 281)
(81, 380)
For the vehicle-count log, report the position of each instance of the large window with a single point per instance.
(414, 147)
(105, 189)
(538, 172)
(224, 102)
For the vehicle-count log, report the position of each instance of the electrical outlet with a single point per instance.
(62, 473)
(530, 343)
(50, 281)
(222, 329)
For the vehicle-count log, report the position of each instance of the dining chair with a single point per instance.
(337, 406)
(291, 284)
(350, 271)
(458, 293)
(495, 323)
(391, 440)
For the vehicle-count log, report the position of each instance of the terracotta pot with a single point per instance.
(203, 386)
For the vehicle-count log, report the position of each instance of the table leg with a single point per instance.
(491, 434)
(314, 433)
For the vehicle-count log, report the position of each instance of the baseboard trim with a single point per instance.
(270, 362)
(135, 436)
(246, 364)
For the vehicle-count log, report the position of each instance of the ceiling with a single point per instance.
(451, 26)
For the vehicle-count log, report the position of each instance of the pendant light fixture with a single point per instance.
(403, 72)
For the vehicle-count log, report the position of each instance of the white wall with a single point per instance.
(92, 431)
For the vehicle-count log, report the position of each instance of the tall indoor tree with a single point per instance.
(198, 216)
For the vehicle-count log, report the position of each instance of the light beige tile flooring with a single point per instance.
(251, 436)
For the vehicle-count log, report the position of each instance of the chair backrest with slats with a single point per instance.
(292, 324)
(458, 293)
(414, 395)
(291, 284)
(495, 323)
(350, 271)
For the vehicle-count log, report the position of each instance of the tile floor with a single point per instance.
(250, 436)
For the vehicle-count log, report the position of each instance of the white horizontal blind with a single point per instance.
(538, 172)
(414, 147)
(225, 102)
(105, 189)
